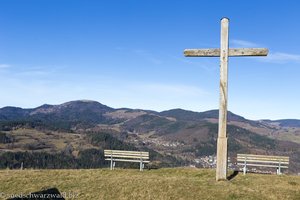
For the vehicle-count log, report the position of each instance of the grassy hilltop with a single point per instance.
(164, 184)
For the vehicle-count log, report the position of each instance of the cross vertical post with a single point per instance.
(222, 135)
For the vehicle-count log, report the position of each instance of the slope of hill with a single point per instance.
(289, 122)
(198, 116)
(161, 184)
(13, 113)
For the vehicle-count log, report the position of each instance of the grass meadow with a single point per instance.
(160, 184)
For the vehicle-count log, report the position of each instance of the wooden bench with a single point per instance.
(279, 162)
(126, 156)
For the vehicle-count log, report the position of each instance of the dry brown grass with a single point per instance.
(55, 141)
(164, 184)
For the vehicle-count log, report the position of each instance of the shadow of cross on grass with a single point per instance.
(234, 174)
(48, 194)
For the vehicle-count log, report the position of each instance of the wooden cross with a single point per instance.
(223, 53)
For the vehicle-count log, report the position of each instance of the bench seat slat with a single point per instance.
(256, 165)
(128, 156)
(263, 161)
(260, 156)
(133, 155)
(245, 154)
(128, 160)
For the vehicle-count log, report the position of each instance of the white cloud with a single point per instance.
(38, 71)
(148, 56)
(243, 43)
(281, 58)
(171, 89)
(159, 96)
(35, 91)
(3, 66)
(272, 57)
(205, 64)
(34, 72)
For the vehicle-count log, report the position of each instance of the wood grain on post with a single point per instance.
(232, 52)
(222, 136)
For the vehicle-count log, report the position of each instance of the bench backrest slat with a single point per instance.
(249, 156)
(261, 165)
(118, 152)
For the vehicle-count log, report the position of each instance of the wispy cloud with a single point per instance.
(243, 43)
(34, 72)
(162, 96)
(4, 66)
(273, 57)
(203, 64)
(172, 89)
(148, 56)
(38, 71)
(281, 58)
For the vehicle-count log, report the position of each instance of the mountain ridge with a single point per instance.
(204, 114)
(174, 135)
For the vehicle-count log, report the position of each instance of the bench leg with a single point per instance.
(279, 171)
(141, 166)
(244, 170)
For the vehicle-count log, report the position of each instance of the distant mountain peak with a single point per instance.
(81, 101)
(87, 101)
(72, 106)
(85, 104)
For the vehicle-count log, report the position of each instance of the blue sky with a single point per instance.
(129, 53)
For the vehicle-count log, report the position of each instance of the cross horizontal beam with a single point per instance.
(232, 52)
